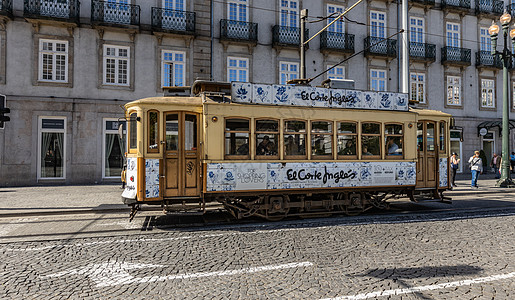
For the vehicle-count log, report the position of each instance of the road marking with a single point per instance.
(125, 224)
(13, 225)
(227, 233)
(424, 288)
(111, 274)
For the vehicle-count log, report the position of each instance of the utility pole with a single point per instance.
(303, 18)
(405, 48)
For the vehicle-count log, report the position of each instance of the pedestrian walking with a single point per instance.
(496, 164)
(512, 161)
(455, 161)
(476, 168)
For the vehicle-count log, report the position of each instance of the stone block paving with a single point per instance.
(420, 256)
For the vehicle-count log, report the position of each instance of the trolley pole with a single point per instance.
(303, 18)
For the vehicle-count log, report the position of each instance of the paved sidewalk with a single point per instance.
(105, 198)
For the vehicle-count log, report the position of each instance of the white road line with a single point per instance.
(424, 288)
(13, 225)
(255, 232)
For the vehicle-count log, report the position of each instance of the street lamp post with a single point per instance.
(505, 55)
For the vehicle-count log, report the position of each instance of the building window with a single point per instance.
(294, 139)
(487, 93)
(453, 90)
(173, 4)
(377, 24)
(237, 132)
(378, 80)
(371, 139)
(267, 138)
(484, 39)
(347, 139)
(332, 12)
(52, 145)
(289, 13)
(453, 35)
(173, 68)
(114, 147)
(237, 69)
(237, 10)
(416, 30)
(321, 139)
(53, 61)
(116, 65)
(288, 71)
(393, 134)
(418, 87)
(337, 72)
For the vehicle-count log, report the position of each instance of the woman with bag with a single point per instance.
(454, 167)
(476, 167)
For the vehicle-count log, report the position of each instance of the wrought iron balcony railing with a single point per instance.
(424, 2)
(455, 55)
(491, 7)
(459, 4)
(6, 7)
(383, 48)
(485, 59)
(422, 51)
(339, 41)
(66, 10)
(238, 30)
(286, 36)
(174, 21)
(114, 13)
(510, 8)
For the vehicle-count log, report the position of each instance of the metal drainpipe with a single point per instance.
(211, 50)
(399, 51)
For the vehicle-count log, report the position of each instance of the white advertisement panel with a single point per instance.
(131, 178)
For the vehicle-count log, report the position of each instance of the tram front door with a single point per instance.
(427, 152)
(181, 155)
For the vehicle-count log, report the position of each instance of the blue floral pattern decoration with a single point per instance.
(281, 94)
(385, 100)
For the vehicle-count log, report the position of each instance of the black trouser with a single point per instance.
(512, 165)
(453, 176)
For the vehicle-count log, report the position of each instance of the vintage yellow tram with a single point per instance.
(280, 150)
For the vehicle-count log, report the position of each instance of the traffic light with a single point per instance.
(3, 110)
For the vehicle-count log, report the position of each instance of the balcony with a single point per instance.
(489, 7)
(6, 8)
(173, 21)
(455, 56)
(422, 52)
(337, 41)
(67, 11)
(114, 14)
(456, 5)
(239, 31)
(284, 36)
(511, 9)
(380, 47)
(423, 3)
(486, 60)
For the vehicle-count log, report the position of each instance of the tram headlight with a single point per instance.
(214, 119)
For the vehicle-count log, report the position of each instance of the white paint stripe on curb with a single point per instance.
(412, 290)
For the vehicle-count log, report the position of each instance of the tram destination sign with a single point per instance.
(274, 94)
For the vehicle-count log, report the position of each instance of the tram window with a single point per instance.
(133, 134)
(237, 133)
(322, 138)
(370, 139)
(172, 132)
(153, 140)
(347, 139)
(393, 140)
(190, 132)
(420, 137)
(442, 137)
(294, 138)
(267, 138)
(430, 137)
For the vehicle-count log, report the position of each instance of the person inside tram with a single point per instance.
(350, 148)
(365, 151)
(392, 147)
(243, 149)
(291, 147)
(266, 147)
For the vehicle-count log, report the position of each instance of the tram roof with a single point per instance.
(429, 112)
(197, 101)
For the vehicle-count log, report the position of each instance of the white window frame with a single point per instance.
(238, 68)
(289, 13)
(335, 72)
(455, 89)
(51, 130)
(377, 24)
(288, 72)
(117, 58)
(241, 6)
(173, 64)
(338, 26)
(417, 30)
(487, 93)
(53, 53)
(485, 42)
(105, 131)
(452, 34)
(415, 79)
(379, 79)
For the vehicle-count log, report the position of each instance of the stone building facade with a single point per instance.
(66, 67)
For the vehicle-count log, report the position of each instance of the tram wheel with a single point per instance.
(278, 208)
